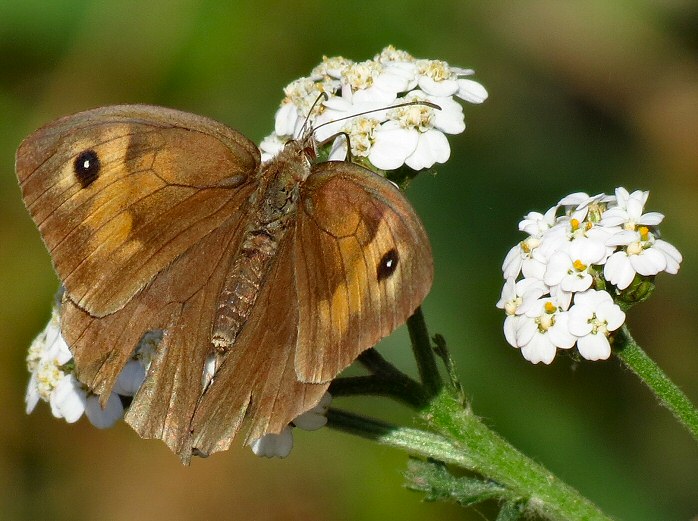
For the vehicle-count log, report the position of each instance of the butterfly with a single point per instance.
(282, 271)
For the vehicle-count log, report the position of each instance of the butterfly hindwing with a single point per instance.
(362, 263)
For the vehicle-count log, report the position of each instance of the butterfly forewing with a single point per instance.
(120, 192)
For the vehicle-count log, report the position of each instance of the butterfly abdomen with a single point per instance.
(273, 207)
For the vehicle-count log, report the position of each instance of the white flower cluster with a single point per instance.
(389, 136)
(53, 380)
(562, 279)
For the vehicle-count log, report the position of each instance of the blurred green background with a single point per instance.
(583, 96)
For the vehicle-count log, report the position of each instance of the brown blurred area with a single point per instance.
(584, 96)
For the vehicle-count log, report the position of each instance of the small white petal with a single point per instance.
(590, 249)
(618, 270)
(130, 379)
(594, 347)
(561, 297)
(634, 208)
(471, 91)
(585, 299)
(310, 421)
(508, 292)
(432, 147)
(31, 398)
(107, 417)
(613, 217)
(651, 219)
(557, 267)
(438, 88)
(580, 314)
(375, 94)
(649, 262)
(511, 267)
(274, 445)
(68, 399)
(612, 315)
(393, 80)
(450, 118)
(672, 256)
(622, 238)
(559, 334)
(511, 324)
(539, 349)
(533, 268)
(622, 195)
(575, 199)
(392, 147)
(316, 417)
(286, 120)
(525, 332)
(575, 283)
(270, 147)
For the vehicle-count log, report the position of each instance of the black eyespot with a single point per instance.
(387, 264)
(86, 167)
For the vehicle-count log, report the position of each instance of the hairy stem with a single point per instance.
(666, 391)
(464, 441)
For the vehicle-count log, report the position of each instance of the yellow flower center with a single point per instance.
(634, 248)
(579, 265)
(361, 75)
(530, 244)
(419, 117)
(512, 305)
(361, 132)
(437, 70)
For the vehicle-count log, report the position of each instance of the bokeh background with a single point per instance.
(583, 96)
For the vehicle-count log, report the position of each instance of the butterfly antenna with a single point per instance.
(322, 96)
(406, 104)
(346, 135)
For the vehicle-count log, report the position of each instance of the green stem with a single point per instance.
(466, 442)
(412, 441)
(424, 353)
(398, 387)
(375, 363)
(494, 458)
(666, 391)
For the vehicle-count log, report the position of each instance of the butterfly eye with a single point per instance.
(388, 264)
(86, 167)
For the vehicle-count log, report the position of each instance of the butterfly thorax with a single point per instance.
(272, 207)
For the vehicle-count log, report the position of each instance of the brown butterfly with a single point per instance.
(285, 270)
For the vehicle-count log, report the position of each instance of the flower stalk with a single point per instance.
(462, 440)
(666, 391)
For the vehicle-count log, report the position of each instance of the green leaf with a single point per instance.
(434, 479)
(511, 511)
(442, 352)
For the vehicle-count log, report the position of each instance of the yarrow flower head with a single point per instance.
(387, 135)
(581, 261)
